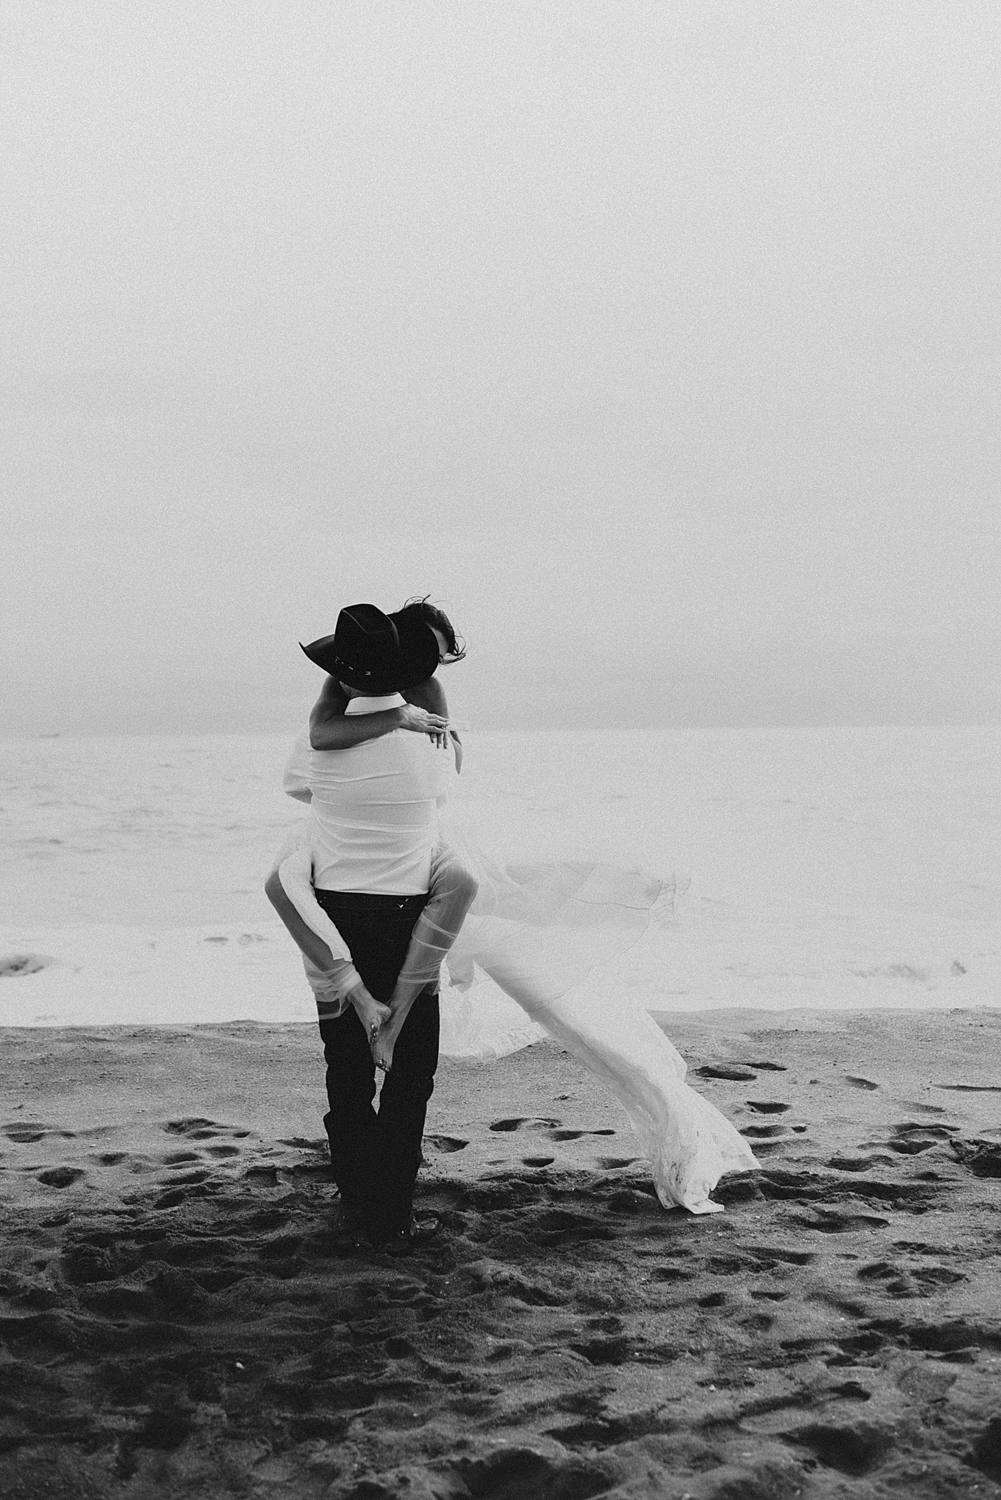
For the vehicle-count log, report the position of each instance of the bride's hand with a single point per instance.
(421, 722)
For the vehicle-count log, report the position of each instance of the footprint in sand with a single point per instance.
(931, 1277)
(981, 1157)
(911, 1139)
(897, 1280)
(169, 1200)
(831, 1221)
(60, 1177)
(848, 1448)
(756, 1322)
(766, 1106)
(860, 1083)
(515, 1469)
(671, 1273)
(807, 1186)
(553, 1129)
(27, 1132)
(765, 1138)
(730, 1072)
(859, 1163)
(771, 1255)
(14, 964)
(764, 1148)
(729, 1265)
(614, 1350)
(556, 1225)
(970, 1088)
(446, 1143)
(199, 1129)
(739, 1070)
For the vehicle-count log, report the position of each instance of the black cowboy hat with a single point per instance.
(370, 654)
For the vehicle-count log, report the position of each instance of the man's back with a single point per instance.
(374, 810)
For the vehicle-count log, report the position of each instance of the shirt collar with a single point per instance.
(367, 705)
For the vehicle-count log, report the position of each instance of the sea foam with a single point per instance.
(835, 868)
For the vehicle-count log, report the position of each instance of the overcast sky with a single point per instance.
(659, 341)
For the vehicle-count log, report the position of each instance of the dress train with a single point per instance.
(530, 937)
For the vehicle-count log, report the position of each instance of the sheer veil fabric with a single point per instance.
(515, 968)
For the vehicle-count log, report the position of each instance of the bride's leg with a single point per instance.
(452, 890)
(330, 979)
(309, 943)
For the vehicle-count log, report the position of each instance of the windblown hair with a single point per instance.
(430, 614)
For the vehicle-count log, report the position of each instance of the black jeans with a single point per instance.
(376, 1156)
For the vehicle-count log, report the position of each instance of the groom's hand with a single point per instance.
(421, 722)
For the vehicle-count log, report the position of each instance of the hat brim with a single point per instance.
(416, 661)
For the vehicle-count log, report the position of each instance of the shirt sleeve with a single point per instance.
(295, 781)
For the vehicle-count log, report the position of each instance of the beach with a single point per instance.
(642, 361)
(181, 1315)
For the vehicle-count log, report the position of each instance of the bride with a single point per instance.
(528, 934)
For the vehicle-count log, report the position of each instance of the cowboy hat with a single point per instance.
(368, 653)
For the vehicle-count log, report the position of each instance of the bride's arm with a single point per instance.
(430, 695)
(331, 729)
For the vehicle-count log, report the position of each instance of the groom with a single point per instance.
(374, 822)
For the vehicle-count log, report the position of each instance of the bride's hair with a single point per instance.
(421, 609)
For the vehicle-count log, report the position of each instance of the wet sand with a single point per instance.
(181, 1316)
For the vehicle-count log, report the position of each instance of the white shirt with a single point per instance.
(374, 809)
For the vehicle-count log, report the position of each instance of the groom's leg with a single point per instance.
(402, 1112)
(350, 1119)
(385, 1153)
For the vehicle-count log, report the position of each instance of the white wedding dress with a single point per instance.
(532, 935)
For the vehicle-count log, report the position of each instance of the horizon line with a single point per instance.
(699, 726)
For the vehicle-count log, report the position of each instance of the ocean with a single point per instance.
(842, 868)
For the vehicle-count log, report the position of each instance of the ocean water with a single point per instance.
(843, 868)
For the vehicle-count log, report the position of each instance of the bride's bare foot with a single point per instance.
(383, 1042)
(370, 1012)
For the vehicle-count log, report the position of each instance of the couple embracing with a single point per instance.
(376, 899)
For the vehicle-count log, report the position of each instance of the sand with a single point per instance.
(181, 1316)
